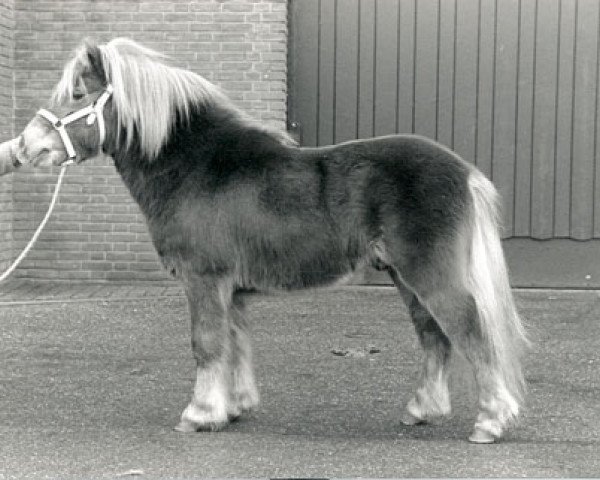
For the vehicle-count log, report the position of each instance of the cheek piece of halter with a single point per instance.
(93, 112)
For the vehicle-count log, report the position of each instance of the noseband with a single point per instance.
(93, 112)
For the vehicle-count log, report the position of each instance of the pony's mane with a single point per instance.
(150, 95)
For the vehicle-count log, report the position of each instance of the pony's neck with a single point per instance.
(210, 136)
(151, 183)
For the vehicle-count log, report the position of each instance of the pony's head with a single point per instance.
(110, 97)
(47, 138)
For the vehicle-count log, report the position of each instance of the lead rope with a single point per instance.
(37, 233)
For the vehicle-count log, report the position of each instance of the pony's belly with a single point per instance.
(323, 270)
(326, 270)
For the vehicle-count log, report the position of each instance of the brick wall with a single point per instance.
(6, 125)
(97, 232)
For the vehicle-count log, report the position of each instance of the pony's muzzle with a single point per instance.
(39, 157)
(40, 146)
(42, 158)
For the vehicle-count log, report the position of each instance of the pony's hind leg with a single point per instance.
(432, 397)
(243, 393)
(456, 312)
(209, 300)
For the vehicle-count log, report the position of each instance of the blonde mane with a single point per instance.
(149, 95)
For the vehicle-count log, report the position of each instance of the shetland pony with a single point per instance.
(233, 205)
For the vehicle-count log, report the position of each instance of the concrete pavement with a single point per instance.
(17, 291)
(90, 387)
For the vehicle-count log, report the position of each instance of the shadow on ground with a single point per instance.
(93, 389)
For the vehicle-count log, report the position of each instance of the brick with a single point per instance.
(42, 255)
(237, 27)
(180, 7)
(96, 227)
(71, 217)
(147, 257)
(121, 218)
(98, 247)
(96, 266)
(95, 208)
(176, 17)
(141, 247)
(160, 27)
(145, 266)
(156, 6)
(204, 7)
(97, 237)
(138, 228)
(120, 237)
(237, 7)
(120, 256)
(126, 27)
(71, 255)
(237, 46)
(226, 17)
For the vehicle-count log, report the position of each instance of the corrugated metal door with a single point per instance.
(510, 85)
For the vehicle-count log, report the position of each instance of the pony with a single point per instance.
(233, 205)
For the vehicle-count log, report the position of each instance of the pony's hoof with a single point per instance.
(481, 436)
(241, 404)
(202, 418)
(190, 427)
(185, 427)
(409, 419)
(233, 417)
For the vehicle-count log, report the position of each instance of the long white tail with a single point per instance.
(488, 277)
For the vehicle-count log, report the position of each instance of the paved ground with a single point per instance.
(91, 384)
(23, 291)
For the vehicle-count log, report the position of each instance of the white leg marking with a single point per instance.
(497, 409)
(431, 400)
(208, 408)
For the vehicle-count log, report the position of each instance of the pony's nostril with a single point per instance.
(29, 155)
(39, 155)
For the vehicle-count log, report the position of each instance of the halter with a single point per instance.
(92, 112)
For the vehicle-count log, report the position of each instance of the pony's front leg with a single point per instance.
(209, 300)
(244, 393)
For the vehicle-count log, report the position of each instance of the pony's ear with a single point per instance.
(94, 55)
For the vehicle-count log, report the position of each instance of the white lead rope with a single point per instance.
(37, 233)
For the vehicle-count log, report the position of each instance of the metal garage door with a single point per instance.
(510, 85)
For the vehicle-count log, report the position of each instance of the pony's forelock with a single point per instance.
(71, 76)
(148, 94)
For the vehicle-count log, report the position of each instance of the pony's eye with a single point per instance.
(78, 95)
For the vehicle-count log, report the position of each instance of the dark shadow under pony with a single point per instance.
(231, 206)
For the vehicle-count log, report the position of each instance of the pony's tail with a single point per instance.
(498, 318)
